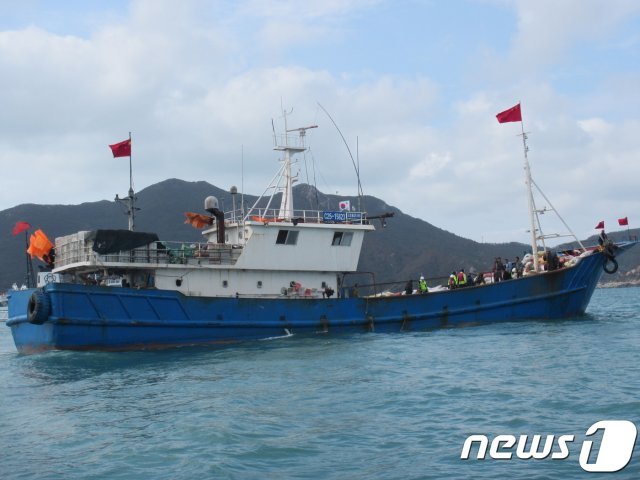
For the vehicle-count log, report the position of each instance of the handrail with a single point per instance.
(272, 215)
(163, 253)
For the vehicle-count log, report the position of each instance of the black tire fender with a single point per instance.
(38, 308)
(610, 261)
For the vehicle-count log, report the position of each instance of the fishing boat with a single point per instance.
(263, 272)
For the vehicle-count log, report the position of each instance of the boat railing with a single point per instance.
(156, 253)
(272, 215)
(294, 141)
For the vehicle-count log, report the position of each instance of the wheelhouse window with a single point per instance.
(342, 238)
(287, 237)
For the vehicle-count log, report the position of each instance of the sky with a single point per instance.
(413, 85)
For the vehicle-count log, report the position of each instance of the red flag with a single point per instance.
(511, 115)
(20, 227)
(600, 225)
(122, 149)
(623, 221)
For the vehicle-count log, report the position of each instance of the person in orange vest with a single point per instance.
(462, 278)
(453, 280)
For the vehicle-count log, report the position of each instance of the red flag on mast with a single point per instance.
(122, 149)
(20, 227)
(623, 221)
(512, 114)
(600, 224)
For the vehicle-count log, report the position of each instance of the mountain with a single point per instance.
(405, 249)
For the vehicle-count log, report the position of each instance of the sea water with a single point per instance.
(362, 406)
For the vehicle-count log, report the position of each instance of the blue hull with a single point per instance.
(101, 318)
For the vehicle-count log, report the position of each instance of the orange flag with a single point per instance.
(196, 220)
(39, 244)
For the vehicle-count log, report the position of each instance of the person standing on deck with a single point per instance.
(453, 280)
(603, 239)
(408, 288)
(498, 269)
(462, 278)
(519, 267)
(423, 285)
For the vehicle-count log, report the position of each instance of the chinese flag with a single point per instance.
(623, 221)
(513, 114)
(600, 224)
(20, 227)
(122, 149)
(196, 220)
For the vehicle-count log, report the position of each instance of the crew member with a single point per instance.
(603, 239)
(453, 280)
(408, 288)
(423, 285)
(462, 278)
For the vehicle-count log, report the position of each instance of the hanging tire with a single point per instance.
(38, 308)
(610, 265)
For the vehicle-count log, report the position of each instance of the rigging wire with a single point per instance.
(355, 166)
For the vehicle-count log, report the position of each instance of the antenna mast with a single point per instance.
(533, 212)
(532, 205)
(356, 167)
(286, 204)
(283, 180)
(130, 200)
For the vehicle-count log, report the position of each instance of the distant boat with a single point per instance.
(4, 302)
(4, 313)
(262, 273)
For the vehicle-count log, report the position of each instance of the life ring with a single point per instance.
(38, 308)
(610, 260)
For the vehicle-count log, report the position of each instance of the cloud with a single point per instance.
(197, 83)
(430, 166)
(548, 30)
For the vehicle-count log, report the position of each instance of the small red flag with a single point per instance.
(513, 114)
(600, 225)
(122, 149)
(20, 227)
(623, 221)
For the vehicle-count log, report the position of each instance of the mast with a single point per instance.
(31, 277)
(283, 180)
(532, 205)
(286, 203)
(285, 184)
(130, 200)
(131, 196)
(514, 114)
